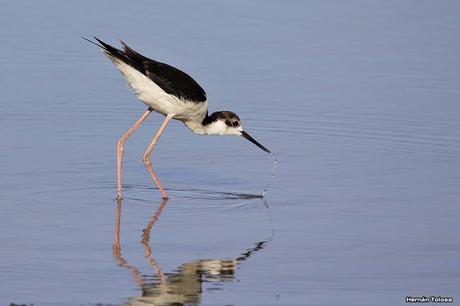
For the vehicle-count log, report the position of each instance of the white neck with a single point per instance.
(215, 128)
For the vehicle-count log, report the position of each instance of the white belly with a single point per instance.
(156, 98)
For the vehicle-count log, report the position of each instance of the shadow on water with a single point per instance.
(184, 286)
(186, 193)
(203, 194)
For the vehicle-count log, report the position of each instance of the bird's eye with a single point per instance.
(235, 123)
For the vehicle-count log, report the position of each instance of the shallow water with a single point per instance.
(358, 100)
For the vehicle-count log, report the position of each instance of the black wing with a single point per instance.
(170, 79)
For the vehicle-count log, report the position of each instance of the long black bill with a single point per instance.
(248, 137)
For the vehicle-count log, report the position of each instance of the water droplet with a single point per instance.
(270, 181)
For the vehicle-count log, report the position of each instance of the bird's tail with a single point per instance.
(94, 43)
(128, 55)
(107, 49)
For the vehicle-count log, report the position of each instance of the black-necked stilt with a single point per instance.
(170, 92)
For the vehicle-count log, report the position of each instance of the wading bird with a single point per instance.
(172, 93)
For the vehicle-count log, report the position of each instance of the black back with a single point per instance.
(170, 79)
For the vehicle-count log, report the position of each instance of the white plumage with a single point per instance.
(171, 92)
(156, 98)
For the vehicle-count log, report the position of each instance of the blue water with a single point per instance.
(358, 100)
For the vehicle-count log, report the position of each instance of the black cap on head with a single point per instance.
(231, 119)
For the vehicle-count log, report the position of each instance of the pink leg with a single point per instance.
(116, 244)
(120, 145)
(149, 150)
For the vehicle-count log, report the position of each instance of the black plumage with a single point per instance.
(172, 80)
(230, 118)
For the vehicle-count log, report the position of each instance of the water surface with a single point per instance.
(359, 101)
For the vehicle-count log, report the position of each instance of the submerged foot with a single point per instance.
(164, 195)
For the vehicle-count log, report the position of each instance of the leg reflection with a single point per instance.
(146, 241)
(137, 275)
(185, 284)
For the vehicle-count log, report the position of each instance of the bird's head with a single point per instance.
(228, 123)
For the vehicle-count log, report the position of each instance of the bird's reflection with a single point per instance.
(184, 285)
